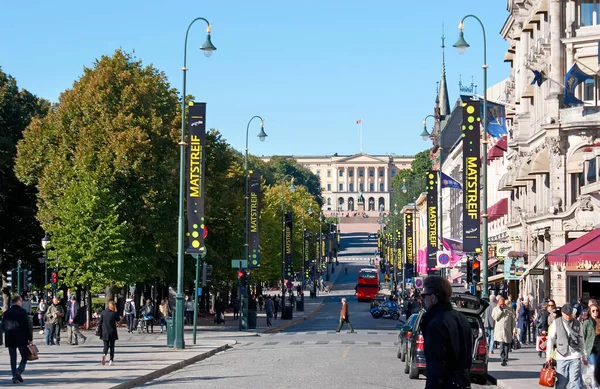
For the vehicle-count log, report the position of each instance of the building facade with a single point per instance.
(355, 183)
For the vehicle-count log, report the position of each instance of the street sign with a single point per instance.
(239, 263)
(419, 282)
(536, 272)
(199, 291)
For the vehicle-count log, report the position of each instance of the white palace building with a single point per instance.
(345, 177)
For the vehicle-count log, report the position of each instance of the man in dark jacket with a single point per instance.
(448, 338)
(75, 319)
(17, 335)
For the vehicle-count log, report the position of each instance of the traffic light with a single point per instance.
(26, 280)
(240, 275)
(476, 271)
(54, 279)
(10, 278)
(206, 273)
(469, 271)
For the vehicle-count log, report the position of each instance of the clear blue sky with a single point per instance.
(311, 68)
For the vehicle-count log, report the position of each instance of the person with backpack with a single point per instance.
(129, 312)
(74, 320)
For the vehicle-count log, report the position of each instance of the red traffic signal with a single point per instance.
(240, 274)
(476, 265)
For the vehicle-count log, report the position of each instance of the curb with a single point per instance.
(293, 323)
(171, 368)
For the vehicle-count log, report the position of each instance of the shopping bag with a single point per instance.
(540, 343)
(587, 375)
(547, 376)
(516, 343)
(32, 352)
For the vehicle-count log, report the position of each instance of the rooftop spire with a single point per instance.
(444, 101)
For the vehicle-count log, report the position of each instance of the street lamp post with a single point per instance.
(425, 134)
(395, 254)
(244, 298)
(292, 189)
(45, 243)
(461, 46)
(208, 48)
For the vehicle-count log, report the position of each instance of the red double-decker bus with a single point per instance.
(368, 284)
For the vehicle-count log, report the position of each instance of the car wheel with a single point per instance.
(413, 372)
(406, 367)
(404, 352)
(399, 352)
(480, 379)
(395, 316)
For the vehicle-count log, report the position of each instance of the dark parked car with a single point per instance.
(404, 334)
(470, 306)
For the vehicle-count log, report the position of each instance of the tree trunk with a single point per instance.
(88, 308)
(110, 295)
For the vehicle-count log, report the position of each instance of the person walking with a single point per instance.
(42, 307)
(147, 315)
(523, 320)
(566, 334)
(488, 323)
(344, 316)
(129, 311)
(108, 324)
(504, 328)
(269, 308)
(275, 306)
(189, 310)
(541, 322)
(235, 304)
(75, 320)
(591, 330)
(54, 318)
(163, 310)
(17, 336)
(448, 338)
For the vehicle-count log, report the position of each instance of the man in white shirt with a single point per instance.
(566, 333)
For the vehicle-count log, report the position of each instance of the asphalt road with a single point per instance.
(311, 354)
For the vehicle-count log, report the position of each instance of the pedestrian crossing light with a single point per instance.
(26, 274)
(206, 273)
(10, 279)
(469, 271)
(476, 271)
(54, 279)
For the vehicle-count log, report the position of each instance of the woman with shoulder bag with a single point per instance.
(108, 331)
(591, 332)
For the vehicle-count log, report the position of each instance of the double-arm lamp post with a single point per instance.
(425, 134)
(244, 299)
(292, 190)
(461, 46)
(45, 243)
(208, 48)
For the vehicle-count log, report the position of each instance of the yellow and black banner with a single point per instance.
(289, 260)
(471, 177)
(306, 253)
(408, 233)
(431, 185)
(195, 182)
(254, 231)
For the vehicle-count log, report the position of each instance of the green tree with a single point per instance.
(117, 125)
(20, 232)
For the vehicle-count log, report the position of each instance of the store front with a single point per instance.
(576, 269)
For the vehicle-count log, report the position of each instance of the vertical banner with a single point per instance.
(399, 250)
(431, 185)
(254, 231)
(408, 233)
(289, 261)
(195, 176)
(471, 177)
(307, 256)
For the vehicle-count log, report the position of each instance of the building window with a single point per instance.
(341, 187)
(328, 173)
(588, 13)
(362, 187)
(371, 173)
(371, 187)
(360, 173)
(351, 173)
(351, 187)
(329, 201)
(341, 173)
(381, 173)
(588, 90)
(329, 187)
(591, 172)
(319, 173)
(381, 187)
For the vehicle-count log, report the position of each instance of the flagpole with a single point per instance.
(441, 223)
(548, 77)
(361, 129)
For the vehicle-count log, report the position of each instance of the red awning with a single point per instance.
(497, 150)
(498, 210)
(455, 277)
(579, 249)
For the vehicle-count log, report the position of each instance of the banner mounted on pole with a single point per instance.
(195, 181)
(471, 126)
(289, 261)
(431, 185)
(254, 231)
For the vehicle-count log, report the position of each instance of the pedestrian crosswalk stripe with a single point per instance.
(352, 259)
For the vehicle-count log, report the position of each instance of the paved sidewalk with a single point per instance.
(137, 359)
(522, 371)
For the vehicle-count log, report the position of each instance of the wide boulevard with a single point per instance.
(311, 354)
